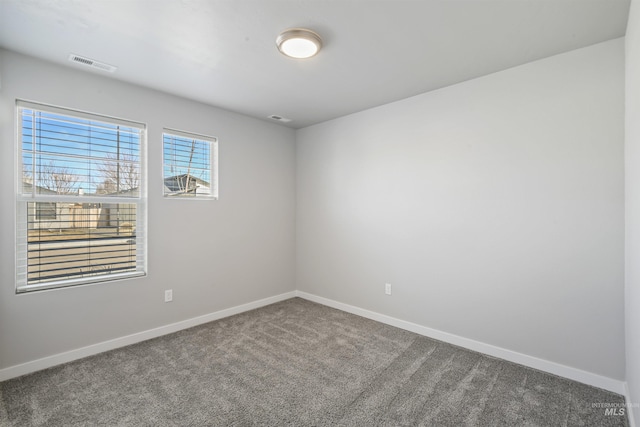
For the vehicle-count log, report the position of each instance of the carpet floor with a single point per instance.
(297, 363)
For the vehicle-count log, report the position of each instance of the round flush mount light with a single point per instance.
(299, 43)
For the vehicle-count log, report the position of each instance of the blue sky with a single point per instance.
(81, 147)
(76, 145)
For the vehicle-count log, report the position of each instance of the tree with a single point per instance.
(119, 174)
(27, 176)
(56, 178)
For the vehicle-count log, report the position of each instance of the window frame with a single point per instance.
(22, 200)
(213, 164)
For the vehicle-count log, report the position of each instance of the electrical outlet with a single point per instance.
(387, 288)
(168, 295)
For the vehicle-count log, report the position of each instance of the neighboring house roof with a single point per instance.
(179, 183)
(172, 184)
(128, 192)
(28, 186)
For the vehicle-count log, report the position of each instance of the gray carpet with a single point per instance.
(297, 363)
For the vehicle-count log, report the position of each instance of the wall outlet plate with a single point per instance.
(387, 288)
(168, 295)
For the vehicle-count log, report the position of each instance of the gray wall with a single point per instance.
(632, 199)
(494, 207)
(213, 254)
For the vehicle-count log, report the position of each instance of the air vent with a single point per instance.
(87, 62)
(279, 118)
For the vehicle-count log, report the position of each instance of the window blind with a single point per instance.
(80, 199)
(189, 165)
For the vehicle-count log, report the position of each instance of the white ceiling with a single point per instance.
(223, 53)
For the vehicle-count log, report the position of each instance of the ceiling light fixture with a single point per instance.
(279, 118)
(299, 43)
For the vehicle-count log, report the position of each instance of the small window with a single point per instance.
(81, 214)
(45, 211)
(189, 165)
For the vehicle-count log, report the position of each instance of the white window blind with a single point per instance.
(81, 210)
(189, 165)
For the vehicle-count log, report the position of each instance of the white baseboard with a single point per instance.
(575, 374)
(69, 356)
(579, 375)
(630, 408)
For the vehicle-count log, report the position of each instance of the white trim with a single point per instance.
(189, 135)
(85, 115)
(21, 224)
(213, 163)
(575, 374)
(90, 350)
(630, 408)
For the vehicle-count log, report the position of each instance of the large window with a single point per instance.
(189, 165)
(81, 206)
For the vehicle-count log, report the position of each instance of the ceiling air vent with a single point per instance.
(279, 118)
(87, 62)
